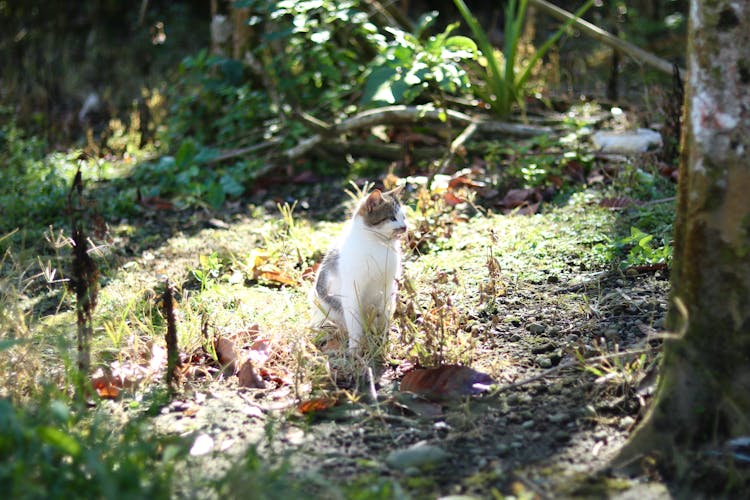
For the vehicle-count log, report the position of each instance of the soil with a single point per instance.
(551, 334)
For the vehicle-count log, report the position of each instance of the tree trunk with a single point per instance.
(703, 398)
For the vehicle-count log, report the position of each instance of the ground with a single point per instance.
(526, 299)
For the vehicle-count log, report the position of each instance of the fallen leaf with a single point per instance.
(309, 273)
(259, 351)
(462, 180)
(273, 377)
(451, 199)
(191, 410)
(248, 378)
(317, 404)
(517, 197)
(277, 276)
(227, 352)
(106, 387)
(446, 381)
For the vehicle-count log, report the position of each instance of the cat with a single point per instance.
(355, 287)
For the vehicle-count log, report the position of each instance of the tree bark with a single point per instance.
(703, 398)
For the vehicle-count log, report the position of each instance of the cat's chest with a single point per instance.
(370, 261)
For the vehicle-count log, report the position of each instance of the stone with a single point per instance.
(419, 455)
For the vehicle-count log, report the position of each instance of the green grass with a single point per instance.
(449, 282)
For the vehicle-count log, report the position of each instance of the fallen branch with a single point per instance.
(412, 114)
(607, 38)
(377, 150)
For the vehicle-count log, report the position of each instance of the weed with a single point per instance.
(503, 89)
(408, 65)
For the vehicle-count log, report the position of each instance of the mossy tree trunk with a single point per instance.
(703, 397)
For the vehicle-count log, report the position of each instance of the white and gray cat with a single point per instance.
(356, 283)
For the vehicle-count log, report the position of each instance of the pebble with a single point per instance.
(536, 328)
(556, 418)
(419, 455)
(561, 436)
(543, 362)
(626, 422)
(501, 449)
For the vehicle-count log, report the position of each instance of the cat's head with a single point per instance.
(382, 212)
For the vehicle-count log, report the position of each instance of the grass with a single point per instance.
(230, 280)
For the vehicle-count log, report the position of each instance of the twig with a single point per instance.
(234, 153)
(173, 354)
(607, 38)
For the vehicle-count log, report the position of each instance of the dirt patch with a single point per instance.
(551, 329)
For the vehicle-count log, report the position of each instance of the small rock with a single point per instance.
(543, 362)
(419, 455)
(536, 328)
(601, 435)
(612, 332)
(626, 422)
(561, 436)
(542, 348)
(556, 418)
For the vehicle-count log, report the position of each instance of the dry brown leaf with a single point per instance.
(315, 405)
(277, 276)
(106, 386)
(446, 381)
(309, 273)
(452, 200)
(227, 352)
(463, 181)
(515, 198)
(248, 378)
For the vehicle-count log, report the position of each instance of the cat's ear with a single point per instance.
(374, 199)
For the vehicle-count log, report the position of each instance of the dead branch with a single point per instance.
(412, 114)
(377, 150)
(607, 38)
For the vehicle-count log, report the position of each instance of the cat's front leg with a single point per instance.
(352, 315)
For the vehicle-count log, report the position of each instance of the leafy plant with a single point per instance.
(636, 249)
(51, 452)
(407, 65)
(209, 270)
(505, 87)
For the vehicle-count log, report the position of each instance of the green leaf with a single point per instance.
(60, 440)
(230, 185)
(215, 195)
(424, 23)
(186, 153)
(378, 85)
(459, 44)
